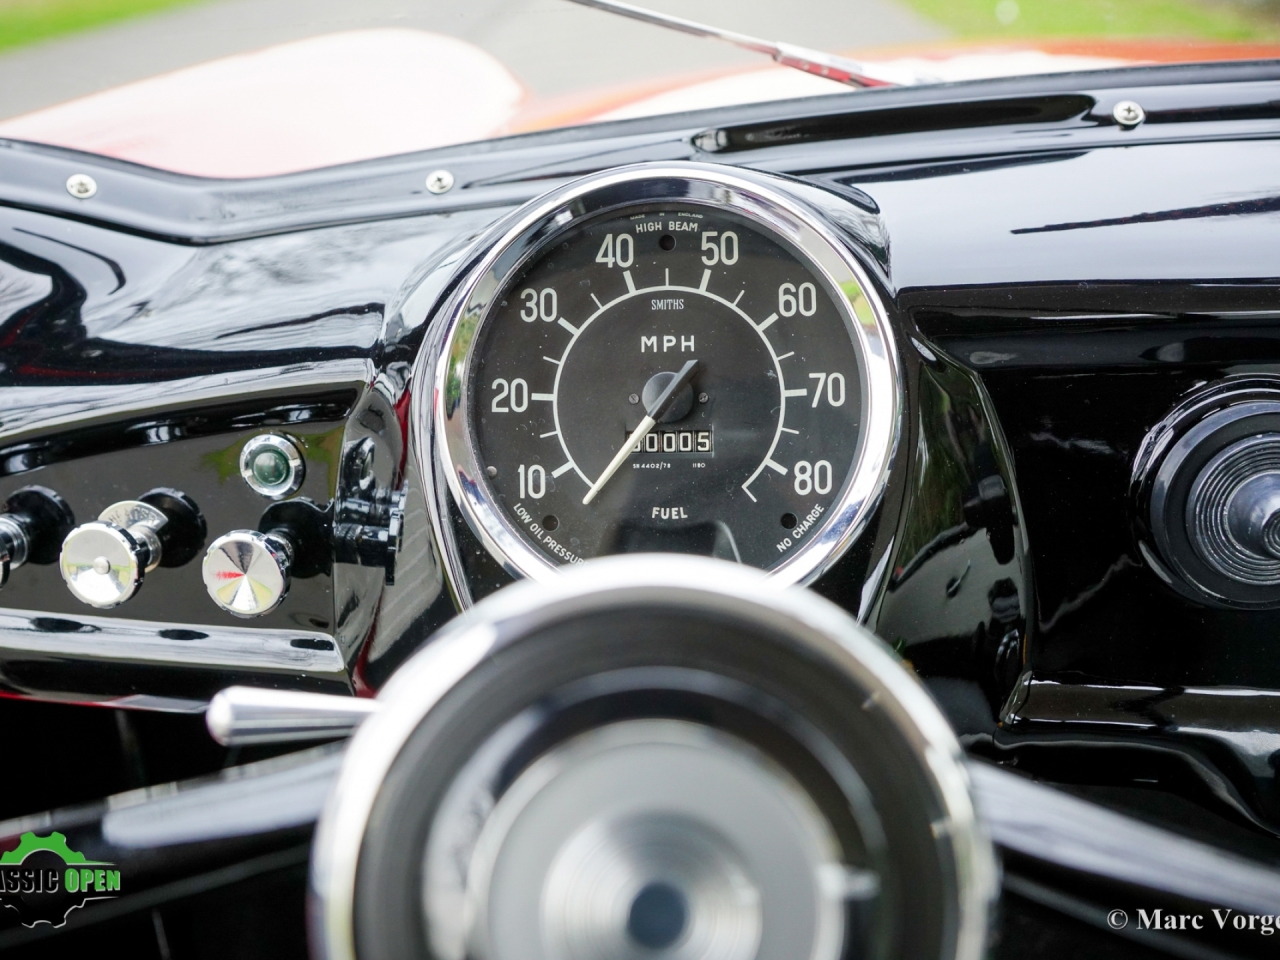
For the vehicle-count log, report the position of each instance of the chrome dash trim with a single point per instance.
(62, 645)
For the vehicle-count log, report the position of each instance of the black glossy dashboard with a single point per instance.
(1056, 285)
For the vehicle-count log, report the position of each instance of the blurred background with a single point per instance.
(246, 88)
(56, 50)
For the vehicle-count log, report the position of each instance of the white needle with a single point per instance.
(659, 407)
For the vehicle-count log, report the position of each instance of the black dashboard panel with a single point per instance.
(131, 363)
(201, 460)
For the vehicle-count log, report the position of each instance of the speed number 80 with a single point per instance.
(812, 477)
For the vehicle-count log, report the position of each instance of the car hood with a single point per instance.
(361, 94)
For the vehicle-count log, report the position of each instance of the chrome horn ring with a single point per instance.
(650, 840)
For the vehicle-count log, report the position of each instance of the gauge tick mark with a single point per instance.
(767, 322)
(542, 396)
(568, 326)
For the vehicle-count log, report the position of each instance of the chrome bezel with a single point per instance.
(442, 414)
(812, 625)
(297, 465)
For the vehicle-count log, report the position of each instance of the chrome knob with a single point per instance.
(104, 561)
(247, 573)
(13, 546)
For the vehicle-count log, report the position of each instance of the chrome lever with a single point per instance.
(238, 716)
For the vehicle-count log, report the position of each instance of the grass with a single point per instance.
(26, 21)
(1180, 19)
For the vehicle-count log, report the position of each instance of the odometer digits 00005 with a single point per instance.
(670, 375)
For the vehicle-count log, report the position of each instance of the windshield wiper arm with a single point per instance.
(817, 62)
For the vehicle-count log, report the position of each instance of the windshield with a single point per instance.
(242, 88)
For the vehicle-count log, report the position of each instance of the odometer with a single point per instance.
(683, 363)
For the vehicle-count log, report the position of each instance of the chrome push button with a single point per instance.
(247, 573)
(105, 561)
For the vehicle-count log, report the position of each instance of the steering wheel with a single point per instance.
(653, 757)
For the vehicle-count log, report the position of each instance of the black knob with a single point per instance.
(32, 526)
(182, 536)
(1206, 495)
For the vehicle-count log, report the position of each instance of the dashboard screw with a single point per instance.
(1128, 114)
(491, 471)
(703, 398)
(81, 186)
(711, 141)
(439, 181)
(634, 398)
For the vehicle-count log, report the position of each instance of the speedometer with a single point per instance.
(666, 359)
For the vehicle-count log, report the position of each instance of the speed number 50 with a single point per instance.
(720, 248)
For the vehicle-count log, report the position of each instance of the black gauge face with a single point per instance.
(753, 447)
